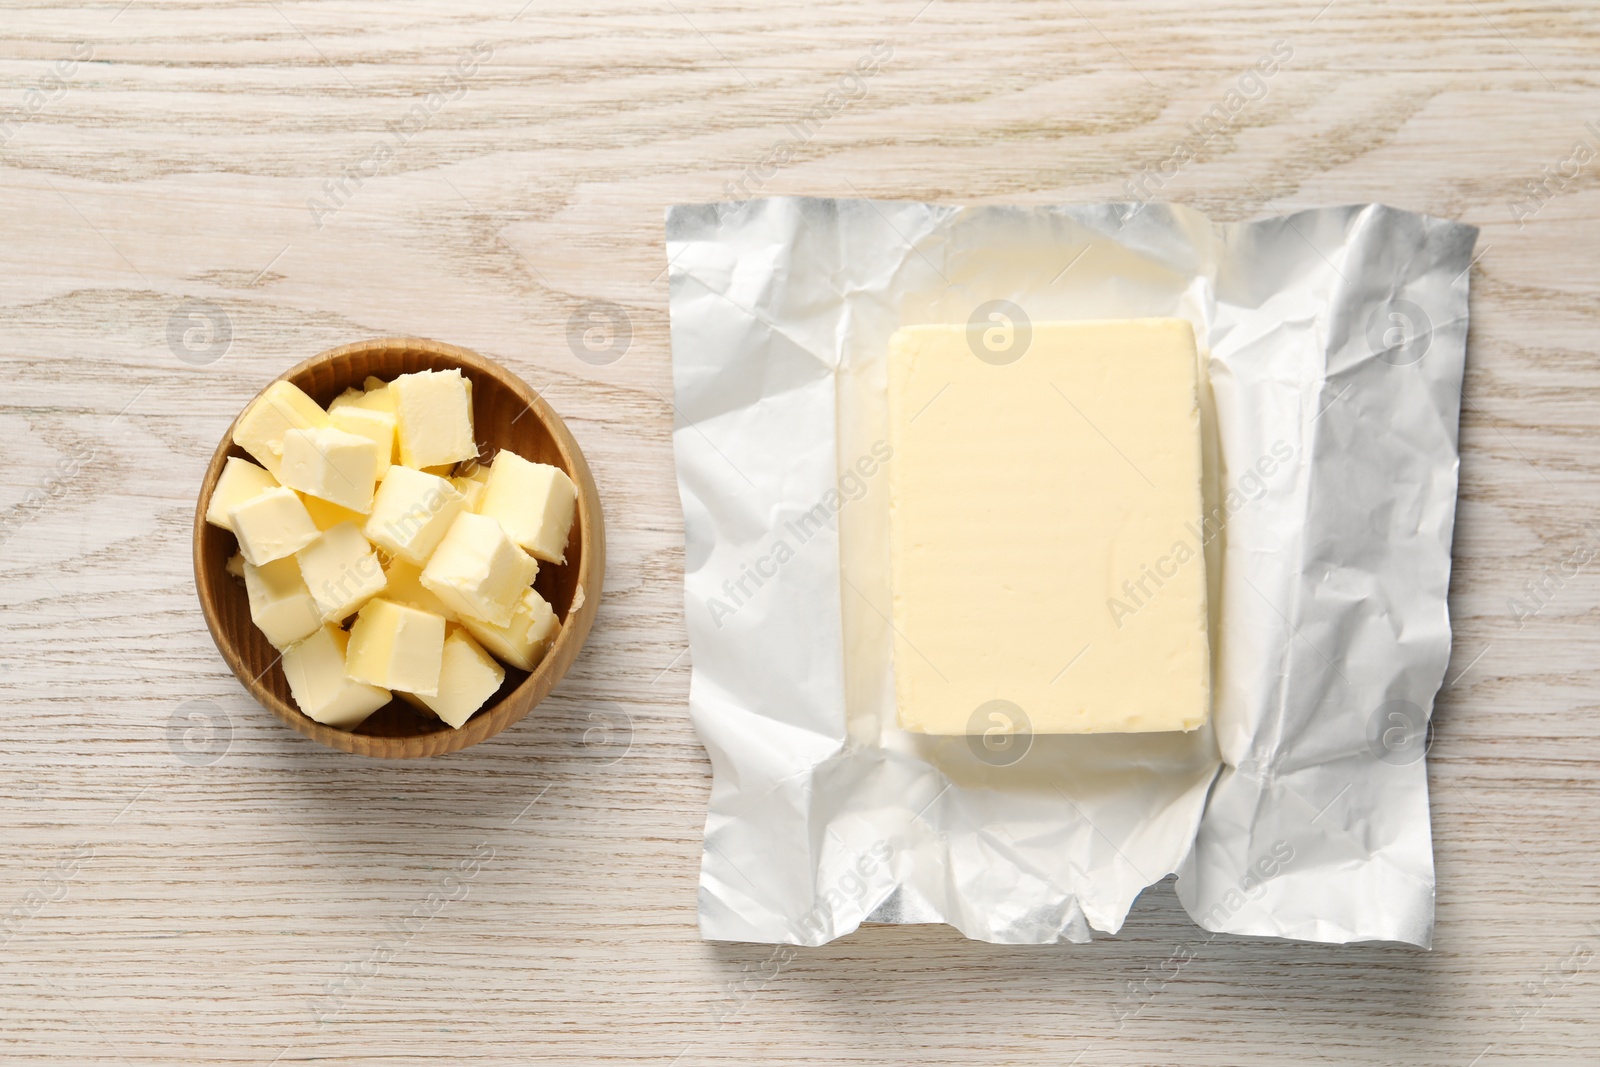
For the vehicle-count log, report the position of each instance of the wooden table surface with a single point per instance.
(193, 197)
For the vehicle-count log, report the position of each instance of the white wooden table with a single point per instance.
(232, 893)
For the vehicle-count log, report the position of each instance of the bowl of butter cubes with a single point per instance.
(399, 548)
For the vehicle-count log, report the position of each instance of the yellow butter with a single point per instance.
(433, 418)
(396, 647)
(1044, 513)
(339, 467)
(270, 525)
(325, 515)
(239, 481)
(411, 513)
(341, 571)
(315, 670)
(523, 641)
(281, 407)
(280, 605)
(468, 677)
(375, 426)
(477, 570)
(535, 502)
(405, 587)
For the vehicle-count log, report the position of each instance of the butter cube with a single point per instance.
(523, 642)
(341, 570)
(339, 467)
(468, 677)
(271, 525)
(478, 571)
(433, 412)
(375, 426)
(471, 489)
(534, 502)
(315, 669)
(374, 396)
(239, 481)
(405, 587)
(235, 565)
(280, 605)
(326, 515)
(1043, 521)
(281, 407)
(396, 647)
(411, 513)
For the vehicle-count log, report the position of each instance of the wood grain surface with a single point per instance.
(196, 196)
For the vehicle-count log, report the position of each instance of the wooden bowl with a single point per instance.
(506, 414)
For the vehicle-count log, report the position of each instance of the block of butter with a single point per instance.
(315, 671)
(433, 418)
(239, 481)
(535, 503)
(477, 570)
(524, 640)
(1044, 526)
(281, 407)
(332, 465)
(396, 647)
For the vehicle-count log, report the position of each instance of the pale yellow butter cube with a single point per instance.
(374, 397)
(281, 407)
(433, 412)
(327, 515)
(235, 565)
(523, 642)
(271, 525)
(405, 587)
(535, 503)
(468, 677)
(239, 481)
(339, 467)
(477, 570)
(471, 489)
(375, 426)
(396, 647)
(315, 670)
(280, 605)
(341, 570)
(411, 513)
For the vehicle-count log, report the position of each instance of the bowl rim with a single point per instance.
(513, 706)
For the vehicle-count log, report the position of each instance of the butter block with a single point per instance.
(411, 513)
(405, 587)
(341, 570)
(535, 503)
(271, 525)
(280, 605)
(281, 407)
(1043, 521)
(468, 677)
(239, 481)
(373, 396)
(326, 515)
(523, 641)
(433, 413)
(315, 670)
(339, 467)
(477, 570)
(396, 647)
(235, 565)
(471, 490)
(375, 426)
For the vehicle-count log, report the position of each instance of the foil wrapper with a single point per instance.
(1330, 403)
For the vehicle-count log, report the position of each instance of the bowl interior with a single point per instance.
(506, 415)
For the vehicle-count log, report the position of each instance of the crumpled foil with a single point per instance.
(1330, 408)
